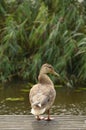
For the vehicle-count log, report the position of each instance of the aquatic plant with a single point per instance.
(34, 32)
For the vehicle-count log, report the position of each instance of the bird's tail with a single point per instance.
(36, 111)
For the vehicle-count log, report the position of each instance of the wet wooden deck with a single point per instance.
(27, 122)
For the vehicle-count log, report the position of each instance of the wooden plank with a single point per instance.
(28, 122)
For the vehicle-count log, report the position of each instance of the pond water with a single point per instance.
(14, 100)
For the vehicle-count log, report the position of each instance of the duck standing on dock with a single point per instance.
(42, 94)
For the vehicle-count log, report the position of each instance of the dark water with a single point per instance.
(14, 100)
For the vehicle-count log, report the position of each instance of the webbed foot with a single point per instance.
(39, 118)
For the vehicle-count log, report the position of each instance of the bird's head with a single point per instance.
(47, 68)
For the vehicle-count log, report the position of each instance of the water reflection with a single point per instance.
(67, 102)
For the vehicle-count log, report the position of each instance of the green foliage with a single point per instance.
(34, 32)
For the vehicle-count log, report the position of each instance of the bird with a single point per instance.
(43, 94)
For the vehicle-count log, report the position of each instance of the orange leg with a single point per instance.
(48, 118)
(39, 118)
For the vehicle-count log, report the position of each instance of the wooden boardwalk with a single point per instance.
(27, 122)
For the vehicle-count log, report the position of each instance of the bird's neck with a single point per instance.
(44, 79)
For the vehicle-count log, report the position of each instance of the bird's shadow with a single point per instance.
(43, 125)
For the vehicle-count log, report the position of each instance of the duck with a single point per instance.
(42, 95)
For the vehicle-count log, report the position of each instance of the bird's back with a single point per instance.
(42, 95)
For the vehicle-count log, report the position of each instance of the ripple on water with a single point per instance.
(69, 109)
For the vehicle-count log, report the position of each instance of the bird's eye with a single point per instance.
(49, 67)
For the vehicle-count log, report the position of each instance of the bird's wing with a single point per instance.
(41, 95)
(40, 100)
